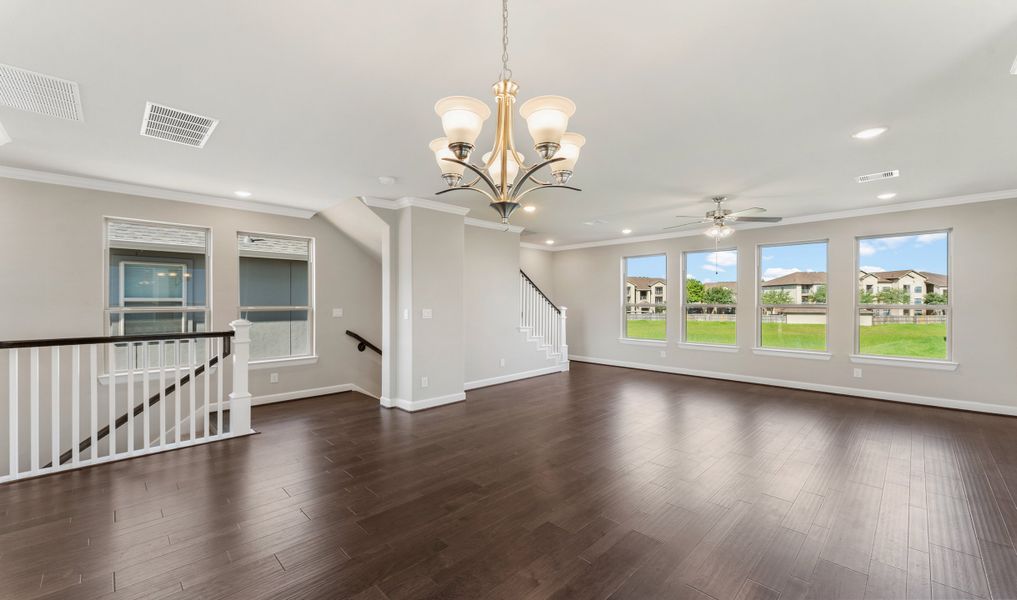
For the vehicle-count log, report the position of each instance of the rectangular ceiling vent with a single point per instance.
(178, 126)
(41, 94)
(878, 176)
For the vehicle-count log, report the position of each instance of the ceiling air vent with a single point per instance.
(41, 94)
(878, 176)
(178, 126)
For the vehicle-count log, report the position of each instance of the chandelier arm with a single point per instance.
(482, 175)
(471, 189)
(535, 168)
(541, 187)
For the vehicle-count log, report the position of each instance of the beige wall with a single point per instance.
(537, 265)
(51, 263)
(588, 282)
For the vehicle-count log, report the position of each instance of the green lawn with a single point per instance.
(898, 339)
(904, 339)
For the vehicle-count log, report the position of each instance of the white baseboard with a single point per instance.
(415, 405)
(472, 385)
(814, 387)
(309, 393)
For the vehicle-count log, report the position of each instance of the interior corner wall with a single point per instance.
(538, 266)
(983, 327)
(51, 263)
(491, 308)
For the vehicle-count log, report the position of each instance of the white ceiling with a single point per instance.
(679, 100)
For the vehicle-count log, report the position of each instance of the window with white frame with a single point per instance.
(793, 296)
(157, 282)
(276, 294)
(901, 266)
(644, 314)
(709, 301)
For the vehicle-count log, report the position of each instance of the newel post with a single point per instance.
(240, 397)
(564, 341)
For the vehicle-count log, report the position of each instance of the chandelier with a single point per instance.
(504, 172)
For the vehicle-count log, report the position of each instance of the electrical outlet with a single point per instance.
(426, 313)
(858, 373)
(337, 312)
(406, 313)
(423, 381)
(503, 362)
(663, 354)
(273, 378)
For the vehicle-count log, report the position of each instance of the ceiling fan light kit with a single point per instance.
(720, 219)
(504, 172)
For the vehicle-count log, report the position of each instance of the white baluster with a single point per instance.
(75, 405)
(192, 356)
(176, 392)
(240, 397)
(34, 409)
(207, 377)
(12, 412)
(130, 397)
(111, 437)
(162, 395)
(93, 386)
(146, 420)
(54, 404)
(220, 430)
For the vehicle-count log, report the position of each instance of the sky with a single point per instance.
(922, 252)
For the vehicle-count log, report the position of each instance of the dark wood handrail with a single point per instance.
(364, 344)
(539, 291)
(115, 339)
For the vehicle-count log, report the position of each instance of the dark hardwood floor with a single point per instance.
(600, 483)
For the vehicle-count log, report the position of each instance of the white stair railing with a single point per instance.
(131, 395)
(543, 322)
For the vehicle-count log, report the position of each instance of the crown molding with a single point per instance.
(533, 246)
(1009, 194)
(408, 201)
(493, 225)
(120, 187)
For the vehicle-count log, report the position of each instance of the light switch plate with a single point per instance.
(426, 313)
(337, 312)
(273, 378)
(423, 382)
(858, 373)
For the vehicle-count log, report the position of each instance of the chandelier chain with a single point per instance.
(506, 72)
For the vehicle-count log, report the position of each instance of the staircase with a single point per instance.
(542, 321)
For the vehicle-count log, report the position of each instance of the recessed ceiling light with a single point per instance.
(626, 231)
(386, 180)
(242, 194)
(887, 196)
(549, 242)
(529, 208)
(868, 134)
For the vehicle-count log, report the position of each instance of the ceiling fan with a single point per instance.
(721, 218)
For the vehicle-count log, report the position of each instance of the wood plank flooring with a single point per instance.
(599, 483)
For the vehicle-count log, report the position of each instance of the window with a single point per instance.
(709, 301)
(792, 296)
(157, 282)
(643, 319)
(276, 294)
(888, 323)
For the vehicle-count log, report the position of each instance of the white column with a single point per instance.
(563, 342)
(240, 397)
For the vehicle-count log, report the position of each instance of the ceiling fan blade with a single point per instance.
(747, 211)
(758, 219)
(687, 224)
(688, 217)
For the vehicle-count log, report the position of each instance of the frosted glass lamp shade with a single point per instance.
(495, 169)
(462, 118)
(719, 231)
(571, 143)
(441, 151)
(547, 118)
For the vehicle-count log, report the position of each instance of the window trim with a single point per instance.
(947, 363)
(312, 314)
(683, 305)
(759, 348)
(623, 322)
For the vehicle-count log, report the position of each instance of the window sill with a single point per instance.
(291, 361)
(708, 347)
(913, 363)
(638, 342)
(806, 354)
(153, 374)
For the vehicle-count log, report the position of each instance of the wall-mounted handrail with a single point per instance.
(539, 291)
(364, 344)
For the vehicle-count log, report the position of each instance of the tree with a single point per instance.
(893, 296)
(718, 295)
(865, 297)
(934, 298)
(693, 290)
(819, 296)
(777, 297)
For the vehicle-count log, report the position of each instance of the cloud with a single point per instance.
(726, 258)
(928, 238)
(775, 272)
(866, 248)
(767, 257)
(870, 269)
